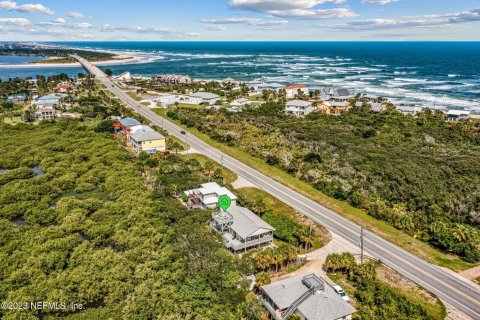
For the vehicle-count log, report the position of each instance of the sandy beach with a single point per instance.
(119, 59)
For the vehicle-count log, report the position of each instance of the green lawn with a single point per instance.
(229, 175)
(145, 103)
(359, 216)
(133, 95)
(190, 105)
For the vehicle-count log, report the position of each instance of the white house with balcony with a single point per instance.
(242, 229)
(207, 196)
(298, 108)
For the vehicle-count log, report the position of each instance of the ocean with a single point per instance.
(435, 74)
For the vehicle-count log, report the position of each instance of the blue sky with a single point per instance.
(323, 20)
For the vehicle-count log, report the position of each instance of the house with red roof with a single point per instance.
(292, 90)
(62, 88)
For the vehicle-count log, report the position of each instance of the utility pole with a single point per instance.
(221, 162)
(309, 235)
(361, 245)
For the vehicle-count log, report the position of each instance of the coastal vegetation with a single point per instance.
(93, 232)
(55, 54)
(420, 175)
(377, 297)
(290, 226)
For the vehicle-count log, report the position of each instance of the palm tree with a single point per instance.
(259, 207)
(209, 169)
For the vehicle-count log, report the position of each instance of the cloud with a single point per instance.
(382, 2)
(248, 21)
(294, 9)
(76, 15)
(278, 5)
(315, 14)
(216, 28)
(59, 21)
(35, 8)
(15, 21)
(108, 28)
(425, 21)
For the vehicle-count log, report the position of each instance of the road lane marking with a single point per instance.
(322, 212)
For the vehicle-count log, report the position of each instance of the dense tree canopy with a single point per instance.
(421, 175)
(95, 233)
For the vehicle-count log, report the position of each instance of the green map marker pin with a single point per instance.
(224, 202)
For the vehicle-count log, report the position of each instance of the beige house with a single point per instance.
(148, 140)
(334, 107)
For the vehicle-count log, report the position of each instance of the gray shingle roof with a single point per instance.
(205, 95)
(146, 135)
(245, 222)
(129, 122)
(298, 103)
(342, 92)
(323, 305)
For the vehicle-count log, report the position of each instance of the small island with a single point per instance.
(58, 55)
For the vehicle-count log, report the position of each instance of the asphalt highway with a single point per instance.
(456, 291)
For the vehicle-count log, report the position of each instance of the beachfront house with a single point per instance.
(334, 107)
(409, 110)
(207, 196)
(298, 108)
(342, 94)
(258, 86)
(204, 98)
(455, 115)
(148, 140)
(334, 93)
(293, 90)
(307, 297)
(229, 80)
(241, 229)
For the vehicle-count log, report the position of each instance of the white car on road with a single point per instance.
(341, 293)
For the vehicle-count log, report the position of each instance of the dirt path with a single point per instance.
(471, 274)
(316, 258)
(241, 183)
